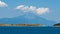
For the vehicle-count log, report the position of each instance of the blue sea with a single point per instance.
(29, 30)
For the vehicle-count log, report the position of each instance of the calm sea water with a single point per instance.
(29, 30)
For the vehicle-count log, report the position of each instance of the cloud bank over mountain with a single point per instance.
(33, 9)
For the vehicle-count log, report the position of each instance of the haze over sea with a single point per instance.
(30, 11)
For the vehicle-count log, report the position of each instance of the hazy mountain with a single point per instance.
(27, 19)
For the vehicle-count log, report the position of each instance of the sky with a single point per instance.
(48, 9)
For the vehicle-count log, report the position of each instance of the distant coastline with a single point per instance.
(21, 25)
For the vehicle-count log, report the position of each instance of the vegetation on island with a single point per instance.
(58, 25)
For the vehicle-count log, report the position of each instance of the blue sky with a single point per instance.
(51, 13)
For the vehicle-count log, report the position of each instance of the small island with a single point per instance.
(57, 25)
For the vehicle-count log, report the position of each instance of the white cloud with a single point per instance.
(3, 4)
(42, 10)
(20, 7)
(33, 9)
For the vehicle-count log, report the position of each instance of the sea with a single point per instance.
(29, 30)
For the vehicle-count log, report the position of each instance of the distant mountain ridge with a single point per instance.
(27, 19)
